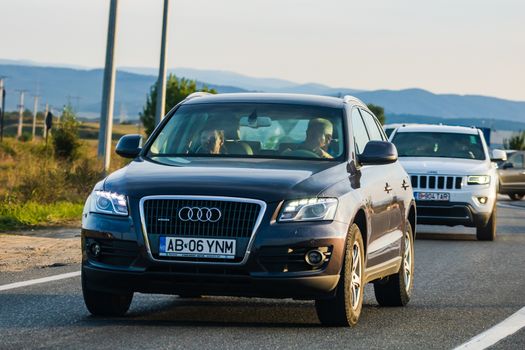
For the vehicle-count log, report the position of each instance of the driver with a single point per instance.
(318, 137)
(212, 141)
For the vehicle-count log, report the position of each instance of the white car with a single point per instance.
(452, 175)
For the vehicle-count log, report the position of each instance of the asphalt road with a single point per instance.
(462, 287)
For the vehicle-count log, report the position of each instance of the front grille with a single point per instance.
(438, 182)
(237, 220)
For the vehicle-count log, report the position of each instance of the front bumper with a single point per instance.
(224, 282)
(450, 214)
(275, 266)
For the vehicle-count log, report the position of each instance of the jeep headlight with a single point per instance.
(308, 209)
(109, 203)
(478, 179)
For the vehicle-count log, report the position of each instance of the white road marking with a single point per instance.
(502, 330)
(39, 280)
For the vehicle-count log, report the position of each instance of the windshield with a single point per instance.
(252, 130)
(439, 144)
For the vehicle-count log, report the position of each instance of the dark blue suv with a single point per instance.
(263, 195)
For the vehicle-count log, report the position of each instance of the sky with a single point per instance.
(445, 46)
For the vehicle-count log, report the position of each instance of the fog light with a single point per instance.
(482, 200)
(94, 248)
(314, 258)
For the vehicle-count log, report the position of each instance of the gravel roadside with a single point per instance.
(40, 248)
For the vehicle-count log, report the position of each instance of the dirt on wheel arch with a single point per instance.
(20, 252)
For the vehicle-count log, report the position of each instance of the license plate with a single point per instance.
(197, 247)
(433, 196)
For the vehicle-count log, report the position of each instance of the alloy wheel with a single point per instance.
(407, 261)
(355, 284)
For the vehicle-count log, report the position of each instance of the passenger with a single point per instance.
(318, 137)
(212, 141)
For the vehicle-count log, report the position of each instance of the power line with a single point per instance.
(76, 98)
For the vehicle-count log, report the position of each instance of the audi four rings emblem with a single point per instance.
(200, 214)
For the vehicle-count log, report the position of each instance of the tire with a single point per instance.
(395, 290)
(105, 304)
(345, 308)
(516, 196)
(488, 232)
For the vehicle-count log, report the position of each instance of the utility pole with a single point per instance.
(69, 104)
(77, 103)
(161, 81)
(44, 129)
(106, 115)
(20, 114)
(2, 107)
(35, 111)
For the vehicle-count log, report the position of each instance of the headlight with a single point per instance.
(309, 209)
(478, 179)
(109, 203)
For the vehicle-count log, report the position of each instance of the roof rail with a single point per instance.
(197, 94)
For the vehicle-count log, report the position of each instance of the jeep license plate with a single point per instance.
(432, 196)
(197, 247)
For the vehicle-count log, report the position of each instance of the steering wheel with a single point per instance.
(303, 153)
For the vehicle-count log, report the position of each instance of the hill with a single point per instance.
(132, 85)
(58, 85)
(422, 102)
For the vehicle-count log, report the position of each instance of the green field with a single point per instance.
(87, 130)
(39, 189)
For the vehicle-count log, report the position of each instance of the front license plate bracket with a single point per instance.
(192, 247)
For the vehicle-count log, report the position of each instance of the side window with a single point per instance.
(383, 131)
(360, 134)
(516, 160)
(371, 126)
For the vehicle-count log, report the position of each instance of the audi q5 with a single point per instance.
(254, 195)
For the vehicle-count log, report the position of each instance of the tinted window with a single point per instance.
(372, 127)
(359, 130)
(438, 144)
(251, 130)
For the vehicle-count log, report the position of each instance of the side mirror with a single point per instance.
(507, 165)
(129, 146)
(498, 155)
(378, 152)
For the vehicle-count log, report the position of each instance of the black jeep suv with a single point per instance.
(264, 195)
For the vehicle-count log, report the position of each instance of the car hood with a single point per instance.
(444, 166)
(264, 179)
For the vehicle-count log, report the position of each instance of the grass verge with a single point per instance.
(13, 216)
